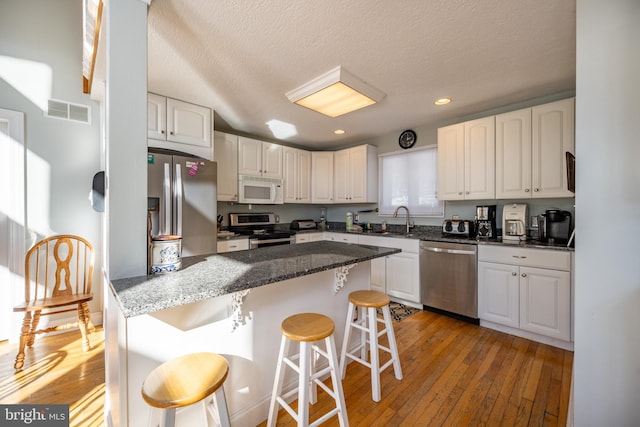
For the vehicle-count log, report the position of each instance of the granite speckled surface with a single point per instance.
(434, 234)
(203, 277)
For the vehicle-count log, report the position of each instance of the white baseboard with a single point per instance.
(566, 345)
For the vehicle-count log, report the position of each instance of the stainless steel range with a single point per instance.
(261, 229)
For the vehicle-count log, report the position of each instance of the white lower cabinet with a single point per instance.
(341, 237)
(308, 237)
(232, 245)
(526, 289)
(397, 275)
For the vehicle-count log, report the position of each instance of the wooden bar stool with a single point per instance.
(307, 328)
(187, 380)
(367, 323)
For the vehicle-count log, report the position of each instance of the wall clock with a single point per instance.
(407, 139)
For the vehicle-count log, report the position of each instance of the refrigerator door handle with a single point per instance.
(178, 196)
(166, 212)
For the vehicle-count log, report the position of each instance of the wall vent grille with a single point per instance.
(68, 111)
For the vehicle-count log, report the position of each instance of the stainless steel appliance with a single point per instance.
(303, 224)
(486, 222)
(257, 190)
(458, 227)
(514, 222)
(554, 226)
(181, 193)
(261, 229)
(448, 278)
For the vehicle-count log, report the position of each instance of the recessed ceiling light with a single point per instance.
(339, 132)
(442, 101)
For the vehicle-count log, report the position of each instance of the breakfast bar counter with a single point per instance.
(208, 276)
(231, 304)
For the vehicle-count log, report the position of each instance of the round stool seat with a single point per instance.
(185, 380)
(367, 299)
(307, 327)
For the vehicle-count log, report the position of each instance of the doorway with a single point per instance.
(12, 218)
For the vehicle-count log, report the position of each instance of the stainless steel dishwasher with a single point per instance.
(448, 278)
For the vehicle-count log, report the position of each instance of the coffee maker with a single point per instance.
(486, 222)
(514, 222)
(554, 226)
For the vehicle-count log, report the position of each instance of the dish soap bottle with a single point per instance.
(349, 220)
(383, 226)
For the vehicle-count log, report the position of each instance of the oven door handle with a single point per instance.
(449, 251)
(258, 241)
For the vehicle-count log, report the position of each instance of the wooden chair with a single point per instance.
(58, 274)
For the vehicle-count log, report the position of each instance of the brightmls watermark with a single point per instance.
(34, 415)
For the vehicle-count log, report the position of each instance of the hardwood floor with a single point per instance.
(455, 374)
(56, 370)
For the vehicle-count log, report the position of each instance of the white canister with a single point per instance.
(166, 253)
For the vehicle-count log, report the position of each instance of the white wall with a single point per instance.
(41, 58)
(607, 300)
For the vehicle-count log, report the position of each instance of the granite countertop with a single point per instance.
(432, 233)
(209, 276)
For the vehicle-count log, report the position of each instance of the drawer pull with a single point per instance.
(519, 256)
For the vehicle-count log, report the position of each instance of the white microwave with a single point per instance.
(256, 190)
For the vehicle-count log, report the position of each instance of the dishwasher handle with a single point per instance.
(448, 251)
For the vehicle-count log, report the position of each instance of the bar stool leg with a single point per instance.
(363, 321)
(374, 356)
(337, 382)
(303, 385)
(345, 341)
(168, 418)
(217, 408)
(386, 313)
(277, 385)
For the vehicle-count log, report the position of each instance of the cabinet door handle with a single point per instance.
(524, 274)
(526, 190)
(162, 131)
(536, 189)
(171, 132)
(513, 273)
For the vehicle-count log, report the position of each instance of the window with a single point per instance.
(409, 179)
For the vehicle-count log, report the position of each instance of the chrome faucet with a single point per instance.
(395, 215)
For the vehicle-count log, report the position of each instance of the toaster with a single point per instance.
(458, 227)
(303, 224)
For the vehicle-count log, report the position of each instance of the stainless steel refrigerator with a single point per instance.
(182, 200)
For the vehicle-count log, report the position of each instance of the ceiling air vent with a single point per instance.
(68, 111)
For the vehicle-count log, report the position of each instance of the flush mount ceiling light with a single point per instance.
(442, 101)
(335, 93)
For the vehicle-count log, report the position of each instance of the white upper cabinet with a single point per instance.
(180, 126)
(322, 177)
(553, 135)
(356, 175)
(466, 160)
(531, 147)
(297, 175)
(226, 155)
(513, 155)
(259, 158)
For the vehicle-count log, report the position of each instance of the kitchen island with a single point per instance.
(230, 304)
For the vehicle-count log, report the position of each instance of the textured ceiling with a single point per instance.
(241, 57)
